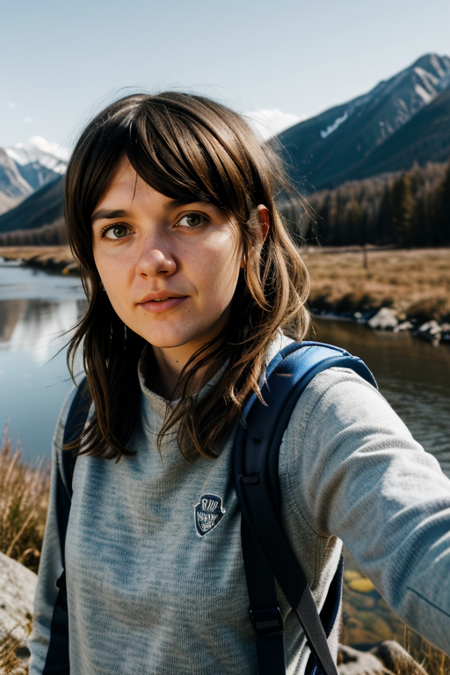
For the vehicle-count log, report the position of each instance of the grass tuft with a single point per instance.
(23, 505)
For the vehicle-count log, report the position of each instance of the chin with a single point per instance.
(166, 341)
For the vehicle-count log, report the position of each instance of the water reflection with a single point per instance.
(35, 309)
(37, 326)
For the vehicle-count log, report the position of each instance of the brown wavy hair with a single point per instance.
(190, 147)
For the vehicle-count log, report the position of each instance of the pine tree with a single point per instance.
(442, 225)
(403, 211)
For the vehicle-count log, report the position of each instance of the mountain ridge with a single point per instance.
(334, 142)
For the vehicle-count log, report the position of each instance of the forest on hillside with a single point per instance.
(409, 209)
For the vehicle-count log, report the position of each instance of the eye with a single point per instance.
(192, 220)
(118, 231)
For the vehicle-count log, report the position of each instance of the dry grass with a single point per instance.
(415, 282)
(44, 253)
(51, 258)
(431, 659)
(23, 505)
(13, 656)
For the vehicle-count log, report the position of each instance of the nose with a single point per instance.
(155, 259)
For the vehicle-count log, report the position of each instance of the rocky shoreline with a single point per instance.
(57, 259)
(389, 319)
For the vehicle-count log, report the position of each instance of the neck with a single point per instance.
(169, 365)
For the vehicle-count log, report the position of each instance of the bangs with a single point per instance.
(181, 156)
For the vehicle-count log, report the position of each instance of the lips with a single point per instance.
(159, 297)
(161, 302)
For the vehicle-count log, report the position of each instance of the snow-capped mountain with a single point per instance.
(337, 144)
(27, 167)
(39, 161)
(13, 187)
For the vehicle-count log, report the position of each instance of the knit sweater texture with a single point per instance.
(148, 595)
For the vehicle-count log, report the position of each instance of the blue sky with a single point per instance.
(61, 62)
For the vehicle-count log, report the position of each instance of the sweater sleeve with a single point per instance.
(359, 474)
(51, 566)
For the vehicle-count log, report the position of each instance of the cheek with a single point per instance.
(113, 270)
(219, 271)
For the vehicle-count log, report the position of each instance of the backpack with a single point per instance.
(266, 550)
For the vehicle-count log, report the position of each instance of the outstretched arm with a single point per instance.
(360, 475)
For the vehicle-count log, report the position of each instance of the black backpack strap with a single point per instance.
(57, 660)
(256, 478)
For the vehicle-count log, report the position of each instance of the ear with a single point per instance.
(263, 215)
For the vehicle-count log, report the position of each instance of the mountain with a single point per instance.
(43, 207)
(425, 138)
(339, 144)
(38, 161)
(13, 187)
(27, 167)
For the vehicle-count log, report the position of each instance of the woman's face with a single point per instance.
(170, 270)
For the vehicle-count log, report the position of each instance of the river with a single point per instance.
(36, 307)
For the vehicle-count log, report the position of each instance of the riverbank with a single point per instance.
(50, 258)
(393, 290)
(410, 287)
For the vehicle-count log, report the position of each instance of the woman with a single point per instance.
(193, 287)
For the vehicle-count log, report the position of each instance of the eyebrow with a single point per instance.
(111, 214)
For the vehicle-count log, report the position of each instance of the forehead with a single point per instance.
(128, 187)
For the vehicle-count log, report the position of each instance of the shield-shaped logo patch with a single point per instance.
(208, 513)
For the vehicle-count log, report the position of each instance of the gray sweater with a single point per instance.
(148, 595)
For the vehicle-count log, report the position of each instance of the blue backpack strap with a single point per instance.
(57, 660)
(266, 550)
(75, 423)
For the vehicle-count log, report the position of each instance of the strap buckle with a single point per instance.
(267, 622)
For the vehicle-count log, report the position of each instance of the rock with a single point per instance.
(17, 589)
(384, 319)
(430, 331)
(361, 585)
(445, 335)
(349, 575)
(405, 325)
(353, 662)
(397, 659)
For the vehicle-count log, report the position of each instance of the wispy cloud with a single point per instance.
(28, 120)
(270, 122)
(8, 104)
